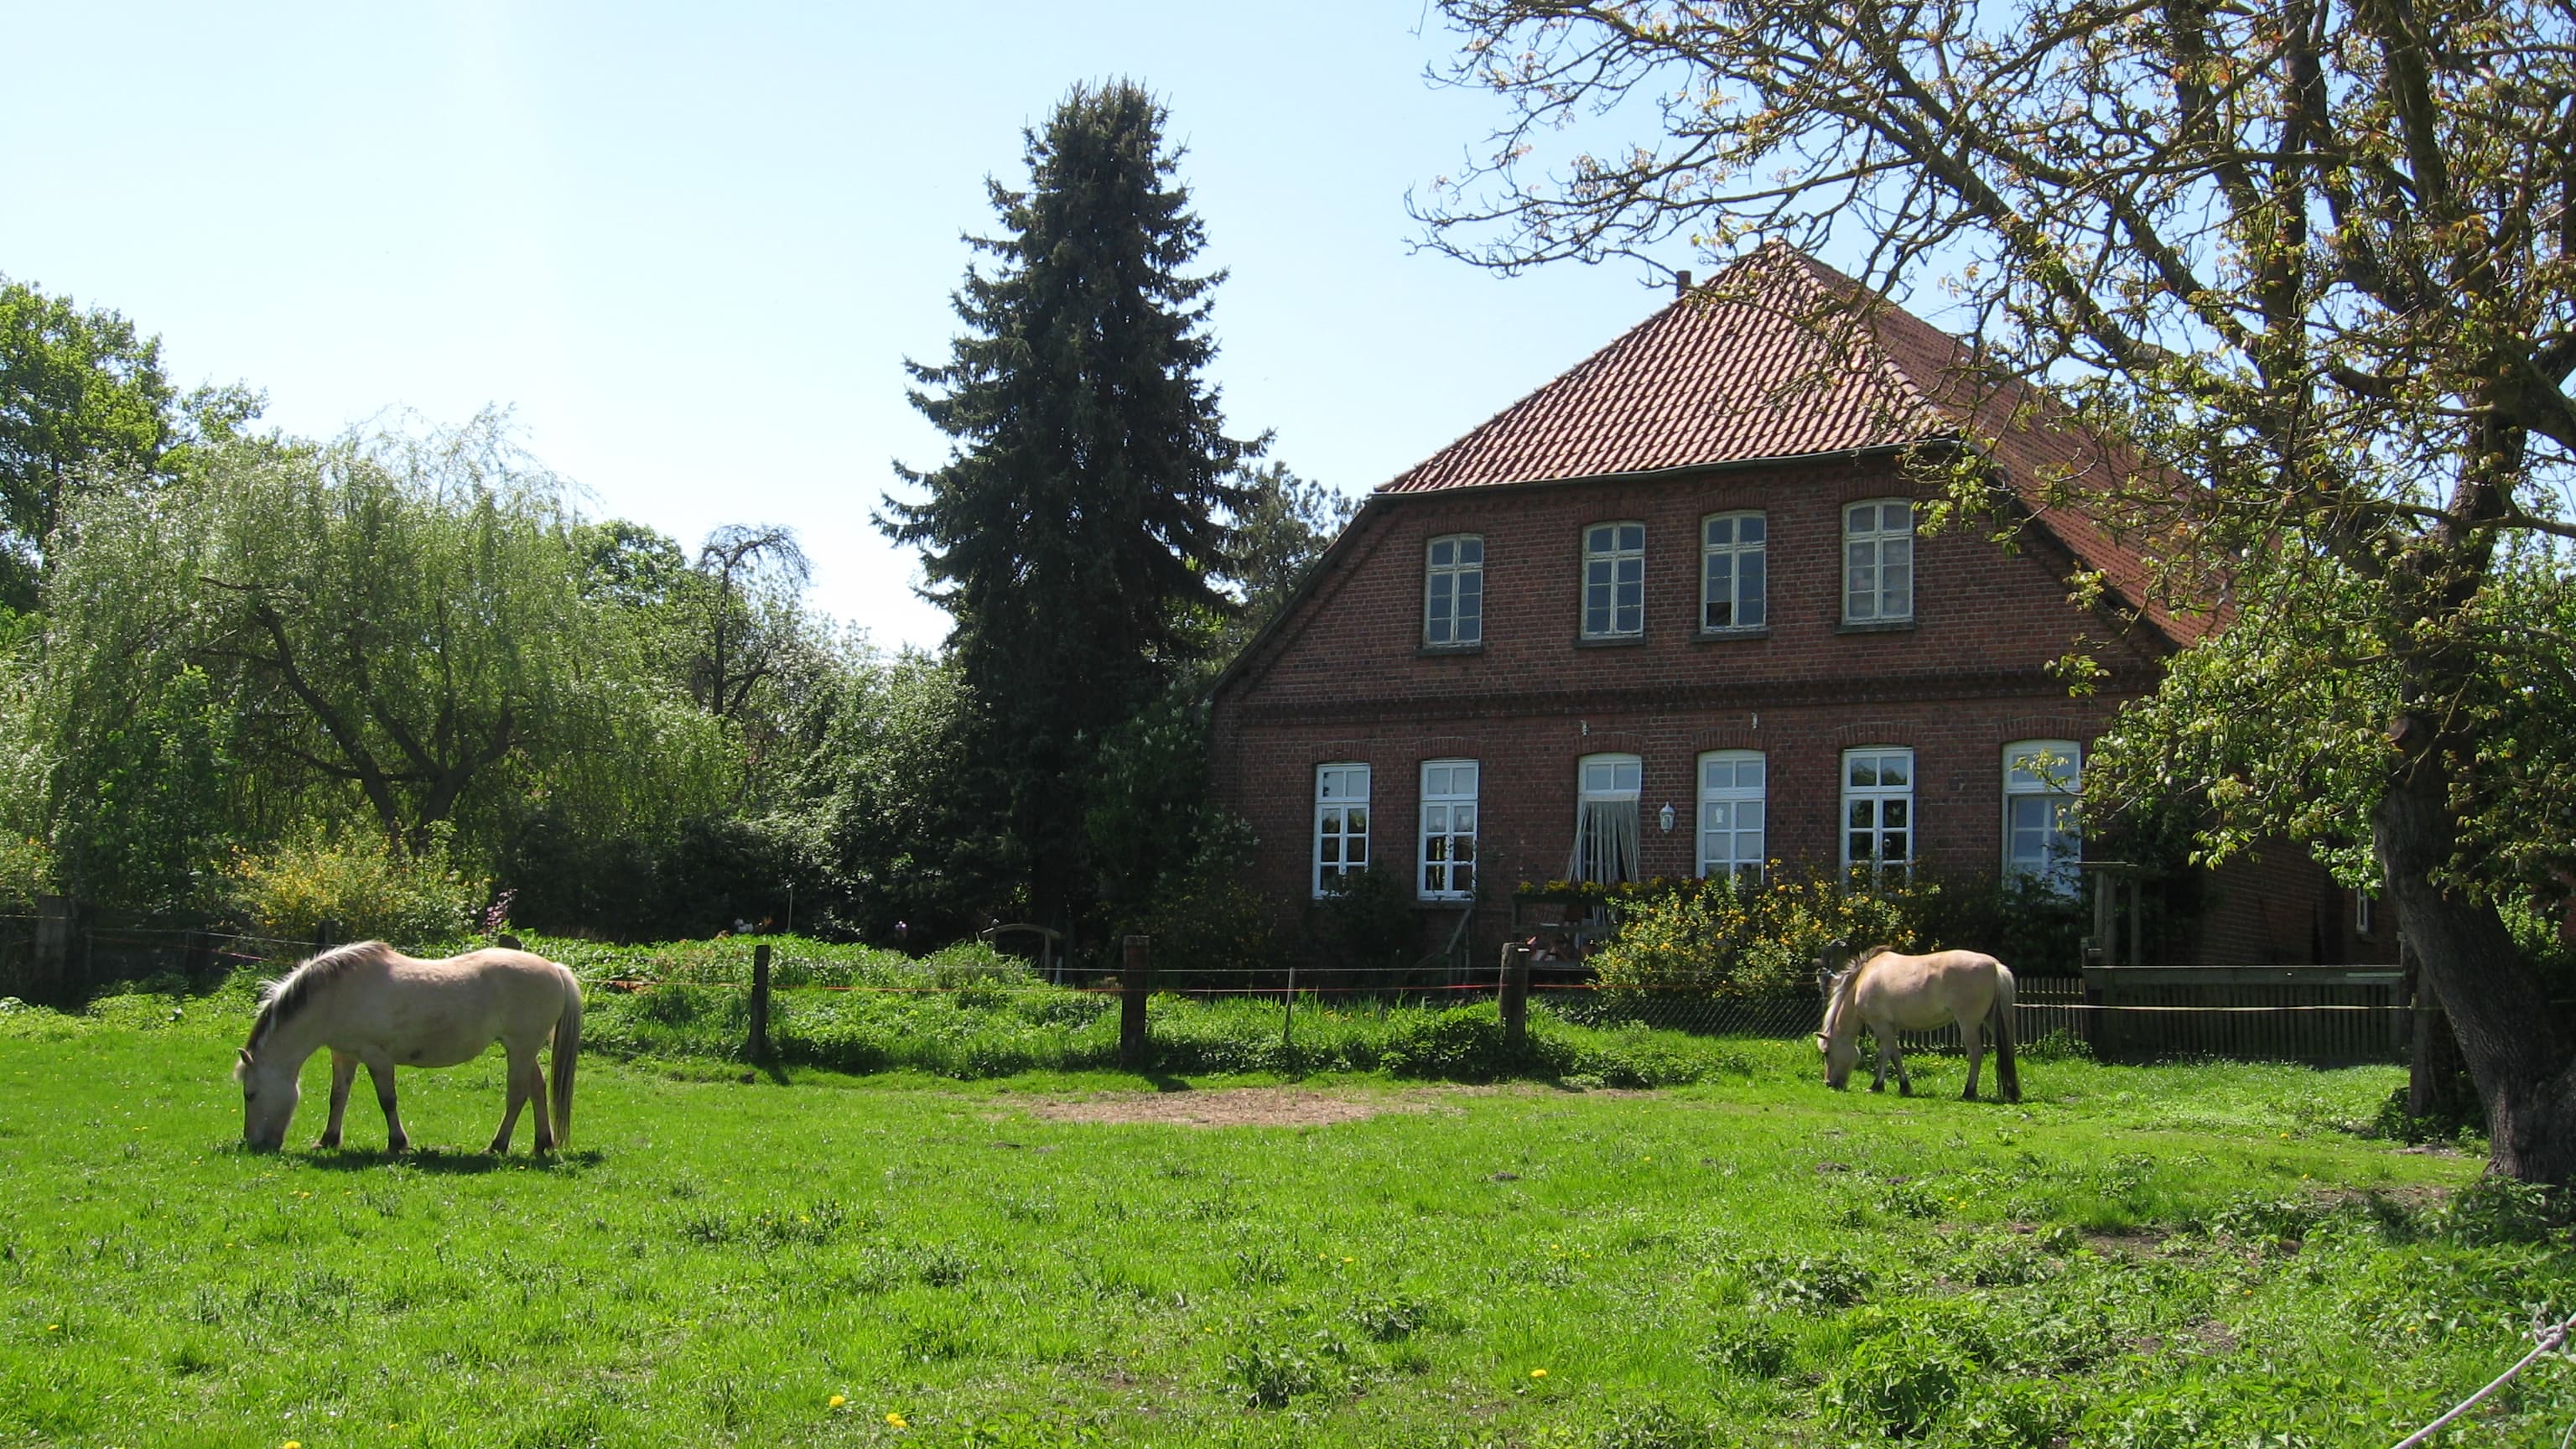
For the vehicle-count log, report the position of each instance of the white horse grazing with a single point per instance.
(1890, 993)
(371, 1004)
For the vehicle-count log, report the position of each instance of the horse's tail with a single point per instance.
(2000, 1024)
(567, 1051)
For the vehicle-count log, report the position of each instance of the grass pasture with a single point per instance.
(2156, 1256)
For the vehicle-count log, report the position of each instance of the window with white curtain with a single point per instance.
(1605, 819)
(1341, 821)
(1448, 830)
(2041, 837)
(1878, 810)
(1731, 785)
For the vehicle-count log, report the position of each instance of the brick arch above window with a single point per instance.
(1728, 737)
(1874, 732)
(2048, 726)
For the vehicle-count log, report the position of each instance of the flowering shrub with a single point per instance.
(1729, 937)
(415, 899)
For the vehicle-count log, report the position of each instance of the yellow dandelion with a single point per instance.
(1538, 1373)
(1350, 1260)
(896, 1420)
(836, 1401)
(53, 1328)
(292, 1444)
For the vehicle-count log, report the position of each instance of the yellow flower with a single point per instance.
(897, 1421)
(53, 1328)
(836, 1401)
(292, 1444)
(1350, 1260)
(1538, 1373)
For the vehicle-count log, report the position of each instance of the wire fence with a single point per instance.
(55, 961)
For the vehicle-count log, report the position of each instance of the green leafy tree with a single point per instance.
(2320, 261)
(891, 787)
(394, 616)
(1076, 532)
(84, 402)
(147, 806)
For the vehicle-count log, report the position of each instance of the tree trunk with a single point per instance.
(2518, 1051)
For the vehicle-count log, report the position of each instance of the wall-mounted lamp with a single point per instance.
(1664, 817)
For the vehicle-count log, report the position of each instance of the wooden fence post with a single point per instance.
(758, 1046)
(1135, 982)
(324, 933)
(1514, 997)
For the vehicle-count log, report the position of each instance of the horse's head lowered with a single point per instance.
(1839, 1039)
(269, 1095)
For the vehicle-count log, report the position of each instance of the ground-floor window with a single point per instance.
(1448, 829)
(1731, 801)
(1605, 819)
(1341, 821)
(2041, 838)
(1878, 810)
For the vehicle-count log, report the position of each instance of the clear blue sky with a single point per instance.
(689, 246)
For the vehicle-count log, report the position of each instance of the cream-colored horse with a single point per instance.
(372, 1005)
(1890, 993)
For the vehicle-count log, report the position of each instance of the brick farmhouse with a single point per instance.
(1672, 614)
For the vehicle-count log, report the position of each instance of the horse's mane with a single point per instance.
(281, 999)
(1847, 980)
(1867, 954)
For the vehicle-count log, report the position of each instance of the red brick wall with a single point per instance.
(1345, 678)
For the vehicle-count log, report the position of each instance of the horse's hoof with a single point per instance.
(1878, 1086)
(398, 1146)
(326, 1144)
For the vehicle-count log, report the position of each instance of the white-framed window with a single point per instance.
(1731, 573)
(1730, 813)
(1453, 591)
(1605, 818)
(1878, 561)
(1341, 821)
(1614, 580)
(2361, 913)
(1878, 809)
(2041, 837)
(1448, 830)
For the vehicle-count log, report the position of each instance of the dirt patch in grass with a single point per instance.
(1232, 1107)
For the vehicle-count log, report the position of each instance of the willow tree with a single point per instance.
(2316, 259)
(1076, 532)
(389, 621)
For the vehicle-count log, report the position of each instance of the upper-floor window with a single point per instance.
(1614, 580)
(1878, 561)
(1605, 818)
(1448, 829)
(1341, 821)
(1453, 591)
(1731, 572)
(1878, 810)
(1730, 813)
(2041, 837)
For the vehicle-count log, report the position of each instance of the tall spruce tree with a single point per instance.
(1075, 533)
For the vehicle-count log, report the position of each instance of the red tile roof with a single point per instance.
(1769, 361)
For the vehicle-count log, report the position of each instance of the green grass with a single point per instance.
(2136, 1256)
